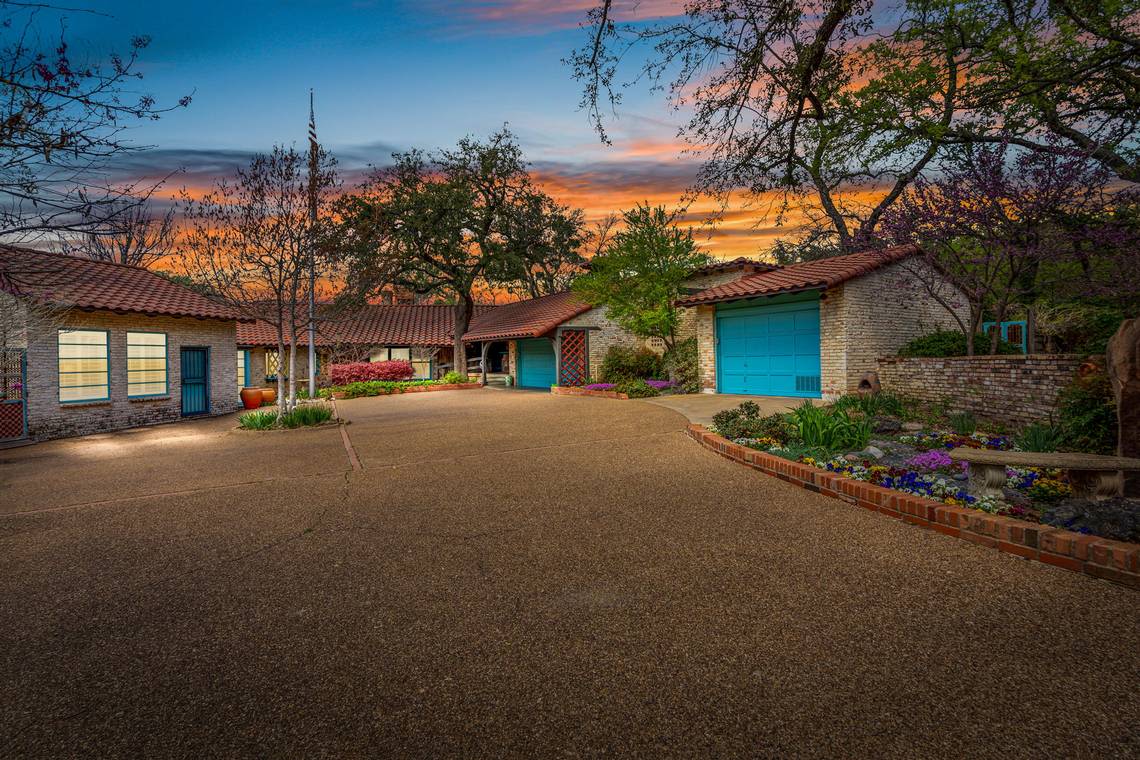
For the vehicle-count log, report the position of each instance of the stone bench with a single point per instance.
(1092, 476)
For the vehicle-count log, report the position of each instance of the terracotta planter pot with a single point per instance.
(268, 395)
(251, 397)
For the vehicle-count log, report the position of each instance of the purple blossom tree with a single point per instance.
(997, 221)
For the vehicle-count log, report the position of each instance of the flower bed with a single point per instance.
(1116, 561)
(623, 390)
(917, 463)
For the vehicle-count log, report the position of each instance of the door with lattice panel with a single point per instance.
(574, 367)
(13, 400)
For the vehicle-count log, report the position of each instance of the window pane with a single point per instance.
(74, 379)
(83, 365)
(71, 351)
(400, 353)
(83, 369)
(146, 339)
(147, 389)
(378, 355)
(142, 352)
(91, 393)
(83, 337)
(147, 376)
(135, 365)
(242, 357)
(146, 364)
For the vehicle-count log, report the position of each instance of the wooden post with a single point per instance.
(483, 360)
(556, 340)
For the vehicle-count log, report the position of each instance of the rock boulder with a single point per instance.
(1123, 365)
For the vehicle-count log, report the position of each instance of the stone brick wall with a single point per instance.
(880, 313)
(48, 418)
(705, 323)
(1016, 390)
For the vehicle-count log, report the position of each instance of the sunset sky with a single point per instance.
(391, 75)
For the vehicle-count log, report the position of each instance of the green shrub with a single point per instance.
(963, 423)
(260, 419)
(952, 343)
(626, 363)
(795, 450)
(830, 428)
(453, 377)
(680, 365)
(1038, 437)
(1087, 415)
(871, 404)
(373, 387)
(307, 414)
(636, 389)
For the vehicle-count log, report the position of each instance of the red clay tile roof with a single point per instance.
(100, 285)
(527, 319)
(374, 325)
(807, 275)
(742, 263)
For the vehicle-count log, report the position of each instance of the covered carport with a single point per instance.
(541, 351)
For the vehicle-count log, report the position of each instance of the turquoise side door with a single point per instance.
(195, 381)
(536, 363)
(769, 349)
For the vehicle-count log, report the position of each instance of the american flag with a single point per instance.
(313, 149)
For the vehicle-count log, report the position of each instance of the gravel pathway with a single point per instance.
(516, 574)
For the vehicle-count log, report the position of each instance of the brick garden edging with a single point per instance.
(421, 389)
(569, 390)
(1116, 561)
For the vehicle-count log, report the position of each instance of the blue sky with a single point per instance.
(387, 75)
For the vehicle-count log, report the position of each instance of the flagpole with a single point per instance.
(314, 152)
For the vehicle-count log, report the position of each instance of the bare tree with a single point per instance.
(135, 236)
(62, 123)
(250, 241)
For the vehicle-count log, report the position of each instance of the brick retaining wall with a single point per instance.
(1115, 561)
(1016, 390)
(567, 390)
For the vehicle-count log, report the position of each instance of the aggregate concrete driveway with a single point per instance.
(519, 574)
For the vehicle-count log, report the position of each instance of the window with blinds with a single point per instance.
(146, 364)
(84, 366)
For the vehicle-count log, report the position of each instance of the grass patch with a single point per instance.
(305, 415)
(308, 414)
(262, 419)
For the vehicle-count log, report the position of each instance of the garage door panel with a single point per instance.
(782, 345)
(805, 320)
(769, 350)
(537, 364)
(807, 344)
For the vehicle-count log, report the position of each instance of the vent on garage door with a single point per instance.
(807, 383)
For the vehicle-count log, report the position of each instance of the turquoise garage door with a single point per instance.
(771, 349)
(536, 363)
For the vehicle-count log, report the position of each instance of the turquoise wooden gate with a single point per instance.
(769, 349)
(195, 381)
(536, 363)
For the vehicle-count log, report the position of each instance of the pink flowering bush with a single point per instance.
(359, 372)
